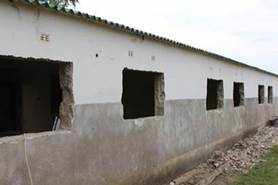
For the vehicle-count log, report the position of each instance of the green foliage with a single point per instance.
(62, 3)
(265, 173)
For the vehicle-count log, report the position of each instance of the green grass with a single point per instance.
(265, 173)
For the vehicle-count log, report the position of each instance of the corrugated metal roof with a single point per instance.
(139, 33)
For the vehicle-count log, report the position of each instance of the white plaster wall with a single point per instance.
(99, 80)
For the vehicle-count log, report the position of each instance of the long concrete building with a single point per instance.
(85, 101)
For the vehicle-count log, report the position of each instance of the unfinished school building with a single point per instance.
(85, 101)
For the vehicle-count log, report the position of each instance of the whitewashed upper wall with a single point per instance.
(99, 80)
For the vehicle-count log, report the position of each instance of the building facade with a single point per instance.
(127, 107)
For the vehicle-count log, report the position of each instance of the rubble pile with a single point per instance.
(244, 154)
(240, 158)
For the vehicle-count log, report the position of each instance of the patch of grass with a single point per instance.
(265, 173)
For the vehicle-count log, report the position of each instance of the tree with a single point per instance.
(63, 3)
(73, 2)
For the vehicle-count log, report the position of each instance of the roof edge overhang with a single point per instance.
(139, 33)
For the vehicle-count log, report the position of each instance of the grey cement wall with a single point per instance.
(104, 149)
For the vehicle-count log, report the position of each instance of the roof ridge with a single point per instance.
(127, 29)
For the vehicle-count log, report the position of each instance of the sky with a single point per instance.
(244, 30)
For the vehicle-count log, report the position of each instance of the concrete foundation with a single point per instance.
(103, 148)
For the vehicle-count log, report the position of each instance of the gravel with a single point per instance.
(240, 158)
(246, 153)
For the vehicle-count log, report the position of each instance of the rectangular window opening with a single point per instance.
(238, 94)
(143, 94)
(32, 96)
(215, 94)
(270, 94)
(261, 96)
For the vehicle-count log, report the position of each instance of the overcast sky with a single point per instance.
(245, 30)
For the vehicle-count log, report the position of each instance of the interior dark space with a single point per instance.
(30, 96)
(138, 94)
(215, 94)
(261, 94)
(238, 94)
(143, 94)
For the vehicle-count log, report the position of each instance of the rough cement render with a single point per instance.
(51, 158)
(104, 149)
(67, 104)
(220, 93)
(159, 94)
(13, 169)
(145, 150)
